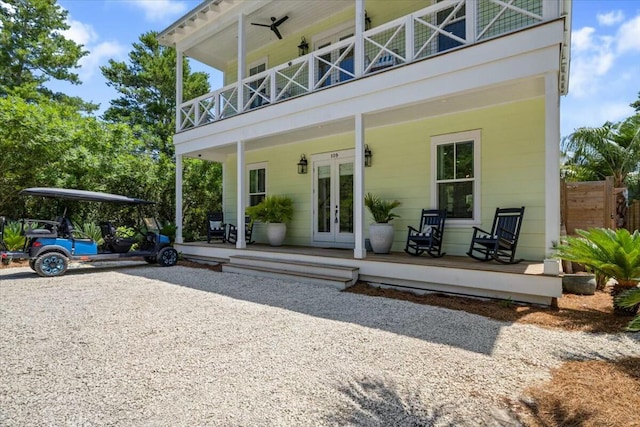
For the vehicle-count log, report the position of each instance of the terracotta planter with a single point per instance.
(381, 237)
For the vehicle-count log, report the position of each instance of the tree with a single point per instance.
(636, 105)
(147, 104)
(33, 50)
(610, 150)
(148, 89)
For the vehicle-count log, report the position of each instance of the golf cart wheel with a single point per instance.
(151, 259)
(32, 264)
(51, 264)
(167, 257)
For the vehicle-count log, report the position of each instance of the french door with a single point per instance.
(333, 198)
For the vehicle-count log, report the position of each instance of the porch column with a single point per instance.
(358, 50)
(240, 242)
(179, 86)
(552, 162)
(241, 61)
(359, 251)
(471, 10)
(179, 198)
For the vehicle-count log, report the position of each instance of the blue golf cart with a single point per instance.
(51, 244)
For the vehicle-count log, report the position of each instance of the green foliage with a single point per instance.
(613, 253)
(12, 236)
(629, 299)
(90, 230)
(380, 209)
(272, 209)
(636, 105)
(34, 50)
(169, 230)
(126, 232)
(610, 150)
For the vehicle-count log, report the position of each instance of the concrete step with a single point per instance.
(350, 274)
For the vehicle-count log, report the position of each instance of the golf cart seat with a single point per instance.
(112, 242)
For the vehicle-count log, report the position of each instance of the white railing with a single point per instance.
(446, 25)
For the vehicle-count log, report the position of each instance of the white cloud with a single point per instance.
(100, 54)
(629, 36)
(80, 32)
(611, 18)
(160, 10)
(581, 39)
(592, 59)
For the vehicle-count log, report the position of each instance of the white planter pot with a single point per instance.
(381, 237)
(276, 232)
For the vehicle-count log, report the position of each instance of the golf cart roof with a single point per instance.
(83, 195)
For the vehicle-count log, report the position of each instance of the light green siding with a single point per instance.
(512, 171)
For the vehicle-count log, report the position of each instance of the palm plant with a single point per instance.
(610, 150)
(380, 209)
(611, 253)
(90, 230)
(13, 238)
(630, 299)
(277, 209)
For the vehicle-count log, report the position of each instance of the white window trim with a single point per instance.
(254, 166)
(450, 138)
(264, 60)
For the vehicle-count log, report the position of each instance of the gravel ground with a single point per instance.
(151, 346)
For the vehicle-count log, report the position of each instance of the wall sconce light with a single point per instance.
(302, 165)
(367, 21)
(303, 47)
(367, 156)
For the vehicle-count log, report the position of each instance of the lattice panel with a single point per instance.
(497, 17)
(292, 81)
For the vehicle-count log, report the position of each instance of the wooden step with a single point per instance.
(349, 274)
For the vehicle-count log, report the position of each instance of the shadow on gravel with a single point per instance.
(20, 273)
(373, 403)
(453, 328)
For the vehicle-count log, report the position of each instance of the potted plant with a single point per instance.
(381, 232)
(611, 253)
(276, 211)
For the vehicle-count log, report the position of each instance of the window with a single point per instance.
(257, 183)
(456, 175)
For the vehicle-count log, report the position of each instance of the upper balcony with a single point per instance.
(417, 36)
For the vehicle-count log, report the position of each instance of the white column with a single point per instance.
(179, 87)
(359, 39)
(179, 199)
(242, 57)
(552, 161)
(471, 11)
(240, 243)
(359, 251)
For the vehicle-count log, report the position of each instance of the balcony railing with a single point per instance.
(446, 25)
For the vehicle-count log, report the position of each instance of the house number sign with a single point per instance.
(334, 155)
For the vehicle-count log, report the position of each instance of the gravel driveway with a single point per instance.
(145, 345)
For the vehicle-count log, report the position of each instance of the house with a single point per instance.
(451, 104)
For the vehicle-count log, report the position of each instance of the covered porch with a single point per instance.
(524, 282)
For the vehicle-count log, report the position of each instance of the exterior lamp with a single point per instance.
(367, 155)
(303, 47)
(302, 165)
(367, 21)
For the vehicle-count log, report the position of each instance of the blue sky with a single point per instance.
(605, 54)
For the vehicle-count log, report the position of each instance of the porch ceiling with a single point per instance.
(216, 44)
(456, 103)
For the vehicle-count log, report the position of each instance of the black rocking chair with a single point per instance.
(232, 237)
(500, 243)
(216, 228)
(428, 237)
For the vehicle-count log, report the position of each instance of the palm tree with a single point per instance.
(610, 150)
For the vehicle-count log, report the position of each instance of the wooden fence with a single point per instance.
(586, 205)
(633, 216)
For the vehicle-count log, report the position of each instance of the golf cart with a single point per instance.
(50, 245)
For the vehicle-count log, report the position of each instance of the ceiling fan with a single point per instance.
(274, 25)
